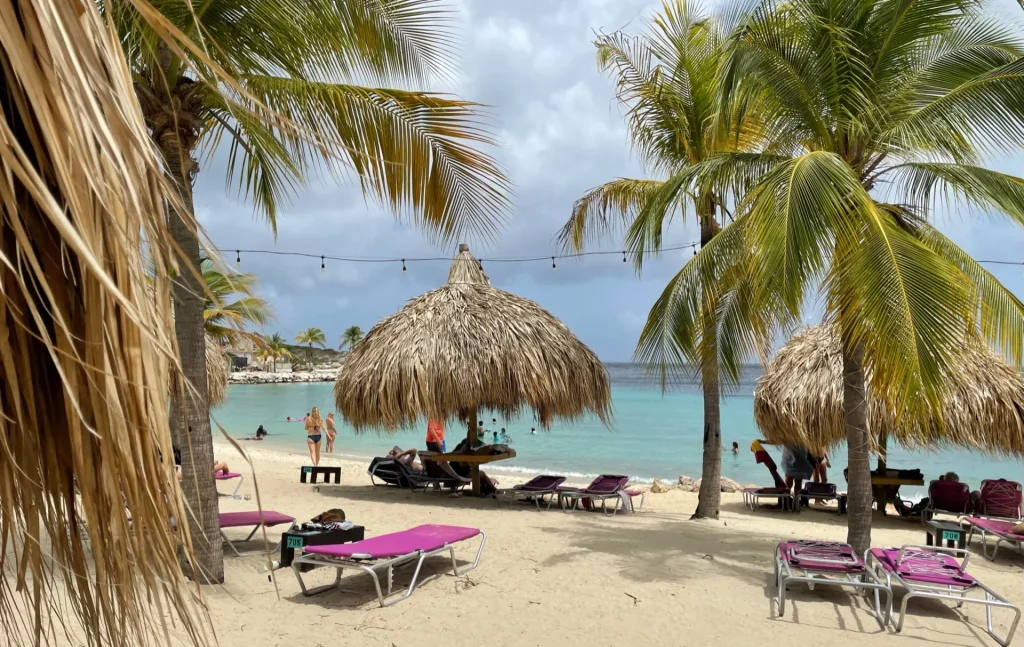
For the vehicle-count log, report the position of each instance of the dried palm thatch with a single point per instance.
(799, 400)
(85, 353)
(217, 366)
(464, 346)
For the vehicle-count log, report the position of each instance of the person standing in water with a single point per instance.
(331, 433)
(314, 432)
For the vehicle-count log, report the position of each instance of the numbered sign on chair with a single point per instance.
(307, 470)
(295, 542)
(951, 535)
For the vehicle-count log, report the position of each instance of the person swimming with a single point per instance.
(260, 433)
(533, 431)
(735, 449)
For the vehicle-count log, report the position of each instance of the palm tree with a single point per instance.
(273, 82)
(877, 110)
(311, 336)
(272, 349)
(351, 337)
(668, 82)
(225, 317)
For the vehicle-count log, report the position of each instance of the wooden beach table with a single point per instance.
(884, 489)
(473, 460)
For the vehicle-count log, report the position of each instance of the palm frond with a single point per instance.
(926, 185)
(908, 306)
(417, 152)
(606, 211)
(1000, 312)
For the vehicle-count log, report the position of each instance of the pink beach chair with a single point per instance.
(601, 489)
(937, 573)
(1000, 529)
(826, 563)
(1000, 498)
(752, 496)
(952, 497)
(536, 489)
(385, 552)
(221, 476)
(255, 519)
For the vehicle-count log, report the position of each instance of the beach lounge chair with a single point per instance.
(538, 488)
(221, 476)
(1001, 531)
(385, 552)
(601, 489)
(820, 492)
(937, 573)
(826, 563)
(953, 497)
(433, 475)
(389, 472)
(1000, 498)
(753, 495)
(255, 519)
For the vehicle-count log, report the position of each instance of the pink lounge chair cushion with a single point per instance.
(421, 538)
(997, 526)
(928, 567)
(544, 483)
(799, 556)
(220, 476)
(606, 484)
(252, 518)
(767, 490)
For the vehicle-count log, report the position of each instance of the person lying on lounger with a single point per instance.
(408, 457)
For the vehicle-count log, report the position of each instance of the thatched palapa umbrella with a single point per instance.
(799, 401)
(465, 346)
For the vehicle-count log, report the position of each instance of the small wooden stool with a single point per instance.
(314, 471)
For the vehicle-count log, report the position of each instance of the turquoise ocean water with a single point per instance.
(653, 435)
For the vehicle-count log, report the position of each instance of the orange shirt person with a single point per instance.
(435, 436)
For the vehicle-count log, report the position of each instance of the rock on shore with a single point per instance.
(254, 377)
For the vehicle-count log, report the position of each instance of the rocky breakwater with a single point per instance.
(254, 377)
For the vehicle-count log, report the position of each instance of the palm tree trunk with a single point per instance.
(190, 409)
(709, 499)
(855, 419)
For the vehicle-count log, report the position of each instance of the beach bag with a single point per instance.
(334, 515)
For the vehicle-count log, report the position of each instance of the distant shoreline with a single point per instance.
(256, 377)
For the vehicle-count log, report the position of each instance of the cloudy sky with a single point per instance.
(560, 133)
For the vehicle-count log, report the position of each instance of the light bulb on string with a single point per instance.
(323, 268)
(403, 266)
(623, 256)
(238, 257)
(553, 266)
(694, 250)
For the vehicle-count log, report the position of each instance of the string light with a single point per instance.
(553, 266)
(623, 256)
(323, 268)
(238, 257)
(694, 250)
(403, 266)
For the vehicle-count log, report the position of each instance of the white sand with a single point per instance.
(551, 578)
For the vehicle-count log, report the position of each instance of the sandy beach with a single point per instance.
(547, 578)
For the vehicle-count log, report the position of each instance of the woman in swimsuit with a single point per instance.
(331, 433)
(314, 427)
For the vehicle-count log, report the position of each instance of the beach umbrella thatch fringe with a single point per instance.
(217, 367)
(85, 350)
(799, 401)
(468, 346)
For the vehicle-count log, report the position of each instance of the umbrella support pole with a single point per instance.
(471, 440)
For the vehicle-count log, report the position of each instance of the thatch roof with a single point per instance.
(799, 401)
(85, 353)
(464, 346)
(216, 373)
